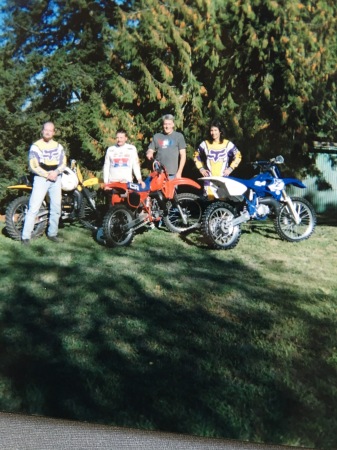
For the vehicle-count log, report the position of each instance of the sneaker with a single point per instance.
(54, 239)
(25, 241)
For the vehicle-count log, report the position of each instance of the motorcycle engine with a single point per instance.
(262, 210)
(155, 209)
(67, 205)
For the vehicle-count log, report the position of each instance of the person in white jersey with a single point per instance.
(121, 161)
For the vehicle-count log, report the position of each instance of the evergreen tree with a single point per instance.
(265, 67)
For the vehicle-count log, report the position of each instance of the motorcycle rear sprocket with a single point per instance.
(192, 210)
(286, 226)
(113, 222)
(216, 226)
(15, 217)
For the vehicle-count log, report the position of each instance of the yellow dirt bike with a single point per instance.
(79, 202)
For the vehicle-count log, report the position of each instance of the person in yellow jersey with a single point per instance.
(47, 161)
(216, 156)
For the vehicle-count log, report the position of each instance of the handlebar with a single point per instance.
(265, 165)
(158, 166)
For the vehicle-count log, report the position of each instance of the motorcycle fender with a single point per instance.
(227, 187)
(294, 182)
(171, 185)
(24, 187)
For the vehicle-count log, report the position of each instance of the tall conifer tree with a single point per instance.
(266, 67)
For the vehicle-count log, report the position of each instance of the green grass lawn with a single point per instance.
(169, 335)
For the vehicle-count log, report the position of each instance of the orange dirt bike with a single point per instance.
(133, 207)
(78, 203)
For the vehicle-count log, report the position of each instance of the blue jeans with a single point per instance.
(41, 187)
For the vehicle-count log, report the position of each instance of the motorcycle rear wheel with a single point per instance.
(114, 221)
(216, 226)
(286, 226)
(15, 217)
(192, 210)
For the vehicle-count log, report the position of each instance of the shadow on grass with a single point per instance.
(194, 347)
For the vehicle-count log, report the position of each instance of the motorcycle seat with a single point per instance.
(138, 187)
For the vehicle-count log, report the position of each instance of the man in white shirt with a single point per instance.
(121, 161)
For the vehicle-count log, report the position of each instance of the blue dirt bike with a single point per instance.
(257, 198)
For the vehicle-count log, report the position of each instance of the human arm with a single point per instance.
(199, 158)
(150, 153)
(182, 162)
(136, 168)
(151, 150)
(235, 157)
(106, 167)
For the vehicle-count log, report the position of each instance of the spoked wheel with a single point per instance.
(15, 218)
(286, 226)
(115, 231)
(217, 227)
(184, 216)
(91, 211)
(87, 214)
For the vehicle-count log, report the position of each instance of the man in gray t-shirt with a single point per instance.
(170, 147)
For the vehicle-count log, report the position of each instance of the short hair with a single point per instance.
(168, 117)
(121, 130)
(49, 122)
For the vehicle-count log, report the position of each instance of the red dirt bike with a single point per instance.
(133, 207)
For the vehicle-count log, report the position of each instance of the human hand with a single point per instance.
(52, 175)
(149, 154)
(205, 172)
(227, 172)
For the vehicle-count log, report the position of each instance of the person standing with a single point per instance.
(47, 160)
(216, 156)
(121, 161)
(170, 148)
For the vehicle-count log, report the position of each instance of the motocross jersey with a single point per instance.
(216, 158)
(120, 162)
(46, 156)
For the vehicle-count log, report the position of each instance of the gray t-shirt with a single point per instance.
(167, 147)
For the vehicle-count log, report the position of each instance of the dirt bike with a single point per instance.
(257, 198)
(78, 203)
(133, 207)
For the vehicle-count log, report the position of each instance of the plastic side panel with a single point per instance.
(91, 182)
(228, 186)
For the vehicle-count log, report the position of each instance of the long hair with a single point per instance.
(217, 124)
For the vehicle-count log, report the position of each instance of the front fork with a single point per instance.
(287, 199)
(182, 215)
(90, 199)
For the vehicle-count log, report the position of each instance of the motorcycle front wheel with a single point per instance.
(217, 228)
(285, 224)
(114, 222)
(91, 211)
(185, 215)
(15, 217)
